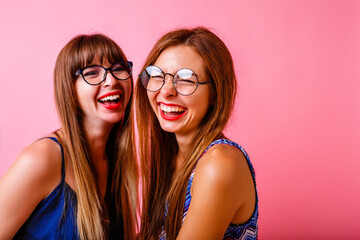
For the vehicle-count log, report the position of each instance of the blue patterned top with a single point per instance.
(54, 217)
(246, 231)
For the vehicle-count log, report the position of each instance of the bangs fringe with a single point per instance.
(90, 47)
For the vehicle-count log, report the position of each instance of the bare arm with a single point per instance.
(33, 175)
(222, 192)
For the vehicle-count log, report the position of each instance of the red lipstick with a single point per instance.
(171, 118)
(111, 105)
(110, 93)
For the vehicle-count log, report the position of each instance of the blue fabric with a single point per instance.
(54, 217)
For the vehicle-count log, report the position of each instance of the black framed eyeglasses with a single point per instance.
(96, 74)
(185, 81)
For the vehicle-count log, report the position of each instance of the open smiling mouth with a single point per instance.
(172, 112)
(110, 99)
(111, 102)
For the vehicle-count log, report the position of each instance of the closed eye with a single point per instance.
(118, 69)
(93, 73)
(185, 82)
(157, 78)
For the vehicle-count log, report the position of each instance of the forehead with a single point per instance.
(174, 58)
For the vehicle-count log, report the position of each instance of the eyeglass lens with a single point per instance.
(96, 74)
(185, 80)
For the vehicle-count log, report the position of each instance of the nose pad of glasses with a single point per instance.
(169, 87)
(109, 79)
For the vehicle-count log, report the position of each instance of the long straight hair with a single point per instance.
(159, 148)
(91, 211)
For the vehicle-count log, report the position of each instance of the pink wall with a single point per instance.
(297, 112)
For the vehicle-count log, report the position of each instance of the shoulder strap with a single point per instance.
(62, 157)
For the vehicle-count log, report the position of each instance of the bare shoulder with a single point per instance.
(224, 171)
(222, 192)
(33, 175)
(40, 161)
(223, 161)
(44, 153)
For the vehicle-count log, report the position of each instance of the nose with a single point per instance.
(168, 88)
(109, 79)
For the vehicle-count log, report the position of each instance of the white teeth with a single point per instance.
(110, 98)
(171, 109)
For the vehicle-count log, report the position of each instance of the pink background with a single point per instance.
(297, 111)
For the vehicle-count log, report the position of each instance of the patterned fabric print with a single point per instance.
(247, 231)
(162, 235)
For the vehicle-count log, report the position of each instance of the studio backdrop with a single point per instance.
(297, 110)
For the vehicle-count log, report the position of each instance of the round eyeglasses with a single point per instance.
(96, 74)
(185, 81)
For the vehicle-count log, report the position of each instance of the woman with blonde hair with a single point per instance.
(80, 181)
(197, 184)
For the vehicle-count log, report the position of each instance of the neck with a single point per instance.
(183, 142)
(96, 140)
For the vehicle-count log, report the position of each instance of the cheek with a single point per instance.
(85, 93)
(151, 97)
(201, 104)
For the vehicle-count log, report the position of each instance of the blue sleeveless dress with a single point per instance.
(54, 217)
(246, 231)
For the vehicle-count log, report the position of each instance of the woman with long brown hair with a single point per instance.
(79, 182)
(197, 184)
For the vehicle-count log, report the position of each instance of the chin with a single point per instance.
(170, 128)
(114, 120)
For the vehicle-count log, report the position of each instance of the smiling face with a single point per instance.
(176, 113)
(103, 105)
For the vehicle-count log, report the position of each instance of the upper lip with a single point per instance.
(110, 94)
(169, 107)
(170, 104)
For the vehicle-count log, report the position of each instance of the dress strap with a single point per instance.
(62, 158)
